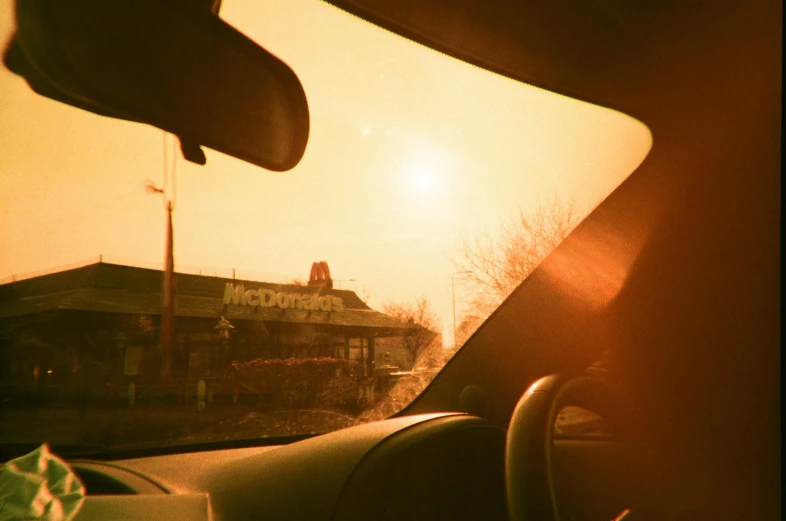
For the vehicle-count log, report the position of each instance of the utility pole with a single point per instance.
(168, 290)
(168, 304)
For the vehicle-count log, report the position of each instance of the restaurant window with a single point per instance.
(199, 360)
(360, 352)
(132, 360)
(358, 348)
(200, 350)
(340, 347)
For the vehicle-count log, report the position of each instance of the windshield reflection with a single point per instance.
(418, 167)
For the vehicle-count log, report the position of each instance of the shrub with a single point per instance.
(295, 383)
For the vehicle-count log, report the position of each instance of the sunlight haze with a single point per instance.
(408, 152)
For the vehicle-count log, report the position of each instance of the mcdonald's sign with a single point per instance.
(320, 275)
(238, 295)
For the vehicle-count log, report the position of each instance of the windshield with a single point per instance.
(309, 300)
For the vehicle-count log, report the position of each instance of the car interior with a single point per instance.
(671, 284)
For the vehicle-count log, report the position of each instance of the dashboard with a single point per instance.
(434, 466)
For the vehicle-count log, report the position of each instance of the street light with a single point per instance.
(343, 280)
(223, 328)
(453, 293)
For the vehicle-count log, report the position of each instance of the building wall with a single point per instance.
(65, 355)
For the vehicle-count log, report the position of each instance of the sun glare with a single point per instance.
(426, 171)
(423, 180)
(409, 150)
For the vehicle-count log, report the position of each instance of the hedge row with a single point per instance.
(296, 382)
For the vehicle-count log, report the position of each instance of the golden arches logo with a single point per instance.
(320, 275)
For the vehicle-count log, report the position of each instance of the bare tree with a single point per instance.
(426, 354)
(496, 266)
(419, 313)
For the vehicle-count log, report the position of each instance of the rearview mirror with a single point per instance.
(171, 64)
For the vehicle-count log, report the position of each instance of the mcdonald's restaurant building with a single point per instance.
(97, 328)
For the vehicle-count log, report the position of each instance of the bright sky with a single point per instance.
(408, 152)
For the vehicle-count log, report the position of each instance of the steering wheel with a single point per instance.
(529, 466)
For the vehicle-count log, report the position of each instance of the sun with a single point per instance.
(424, 180)
(426, 174)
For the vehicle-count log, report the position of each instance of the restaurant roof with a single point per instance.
(114, 288)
